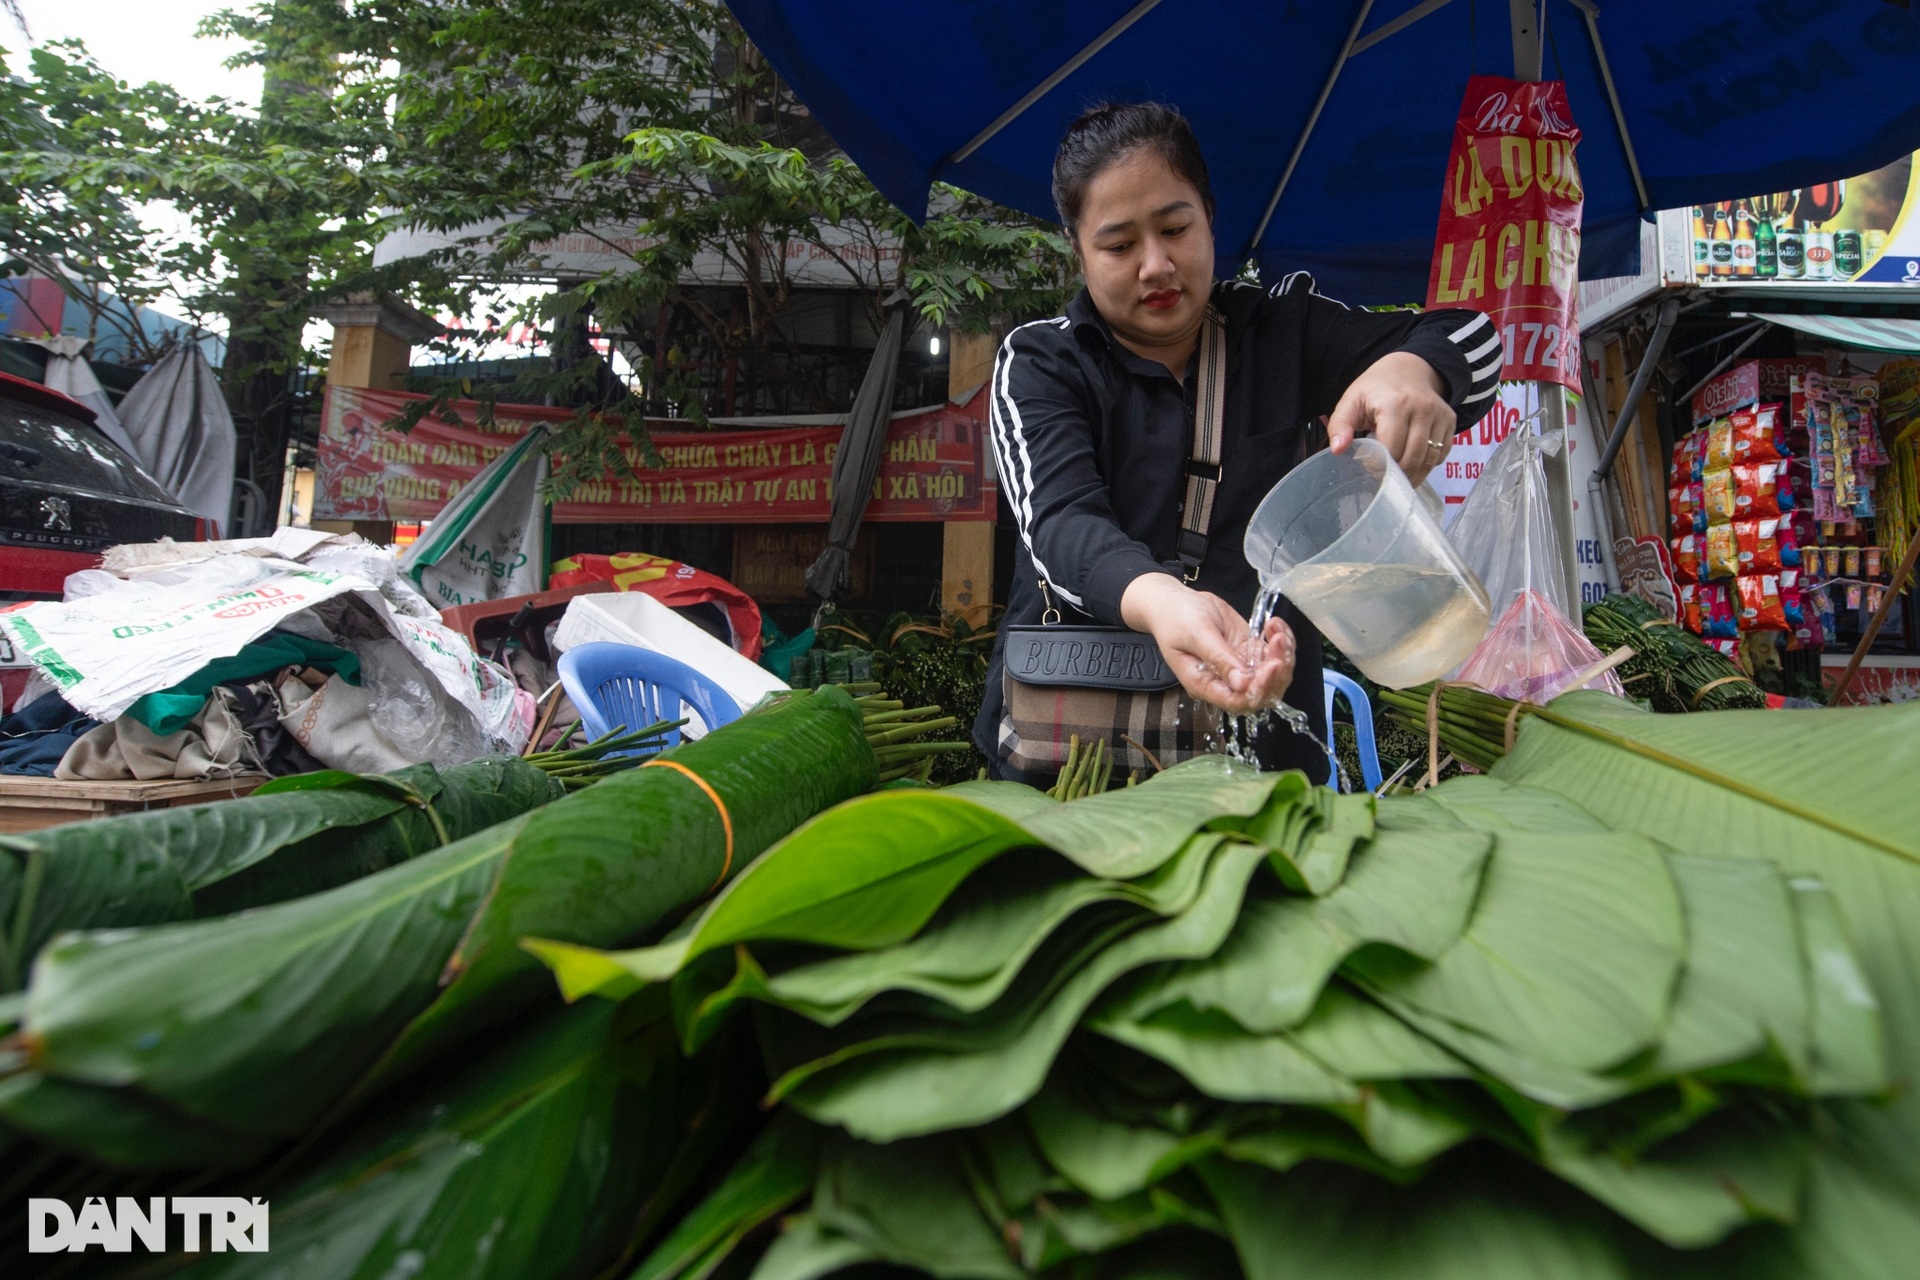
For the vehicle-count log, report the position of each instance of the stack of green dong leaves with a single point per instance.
(1224, 1022)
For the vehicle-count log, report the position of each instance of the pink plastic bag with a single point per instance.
(1533, 654)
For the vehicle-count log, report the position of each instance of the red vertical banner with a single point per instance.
(1509, 238)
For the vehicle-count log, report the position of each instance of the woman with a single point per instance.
(1092, 417)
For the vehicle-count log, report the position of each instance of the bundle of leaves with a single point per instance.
(936, 661)
(213, 1042)
(1228, 1015)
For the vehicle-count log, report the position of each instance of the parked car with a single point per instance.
(67, 493)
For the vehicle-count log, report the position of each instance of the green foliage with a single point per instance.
(653, 127)
(257, 1024)
(288, 839)
(1544, 1045)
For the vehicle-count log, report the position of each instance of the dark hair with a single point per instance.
(1106, 134)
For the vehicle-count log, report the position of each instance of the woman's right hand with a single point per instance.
(1205, 641)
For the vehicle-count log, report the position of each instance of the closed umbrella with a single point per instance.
(1327, 125)
(858, 460)
(182, 431)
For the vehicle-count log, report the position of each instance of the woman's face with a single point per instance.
(1146, 250)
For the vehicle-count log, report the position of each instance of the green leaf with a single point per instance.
(970, 953)
(1226, 1061)
(532, 1160)
(1744, 985)
(1409, 890)
(1127, 832)
(1694, 1190)
(832, 882)
(1312, 843)
(1570, 958)
(294, 836)
(1488, 804)
(896, 1093)
(1356, 1038)
(870, 875)
(1477, 1219)
(264, 1020)
(911, 1203)
(1105, 1157)
(777, 1170)
(1848, 1055)
(807, 1250)
(1814, 793)
(119, 1128)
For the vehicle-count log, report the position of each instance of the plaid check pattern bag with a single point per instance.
(1093, 682)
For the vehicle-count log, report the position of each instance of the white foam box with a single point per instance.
(633, 617)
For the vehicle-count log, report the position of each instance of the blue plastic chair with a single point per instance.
(622, 684)
(1362, 711)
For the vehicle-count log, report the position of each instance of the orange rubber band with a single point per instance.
(726, 819)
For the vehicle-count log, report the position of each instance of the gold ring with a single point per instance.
(1437, 444)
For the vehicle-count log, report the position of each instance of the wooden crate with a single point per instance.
(28, 804)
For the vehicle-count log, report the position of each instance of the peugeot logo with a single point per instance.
(59, 515)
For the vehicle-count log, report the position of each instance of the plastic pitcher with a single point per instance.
(1344, 538)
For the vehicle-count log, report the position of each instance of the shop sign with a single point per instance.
(1753, 382)
(1509, 236)
(933, 468)
(1852, 231)
(1453, 480)
(1646, 571)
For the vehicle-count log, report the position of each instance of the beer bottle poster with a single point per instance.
(1509, 236)
(1858, 230)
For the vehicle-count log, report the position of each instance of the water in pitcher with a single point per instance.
(1367, 607)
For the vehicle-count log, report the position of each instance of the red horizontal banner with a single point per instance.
(933, 469)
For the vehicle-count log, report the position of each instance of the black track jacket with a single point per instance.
(1091, 441)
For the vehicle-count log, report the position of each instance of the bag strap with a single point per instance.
(1203, 460)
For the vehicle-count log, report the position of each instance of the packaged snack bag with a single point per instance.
(1761, 489)
(1690, 608)
(1760, 608)
(1757, 435)
(1719, 444)
(1718, 493)
(1764, 546)
(1793, 600)
(1686, 558)
(1723, 553)
(1718, 617)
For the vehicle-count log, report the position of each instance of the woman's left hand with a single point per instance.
(1402, 401)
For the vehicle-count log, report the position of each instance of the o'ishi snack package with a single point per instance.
(1764, 546)
(1686, 558)
(1761, 489)
(1690, 608)
(1718, 617)
(1761, 608)
(1723, 553)
(1690, 456)
(1718, 495)
(1686, 508)
(1757, 435)
(1719, 451)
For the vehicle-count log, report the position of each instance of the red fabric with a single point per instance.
(671, 583)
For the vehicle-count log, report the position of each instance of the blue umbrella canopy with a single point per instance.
(1327, 125)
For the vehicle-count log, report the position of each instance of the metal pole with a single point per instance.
(1725, 363)
(1662, 330)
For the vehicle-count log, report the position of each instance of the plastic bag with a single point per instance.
(1505, 533)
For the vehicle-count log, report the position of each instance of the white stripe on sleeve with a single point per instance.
(1010, 437)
